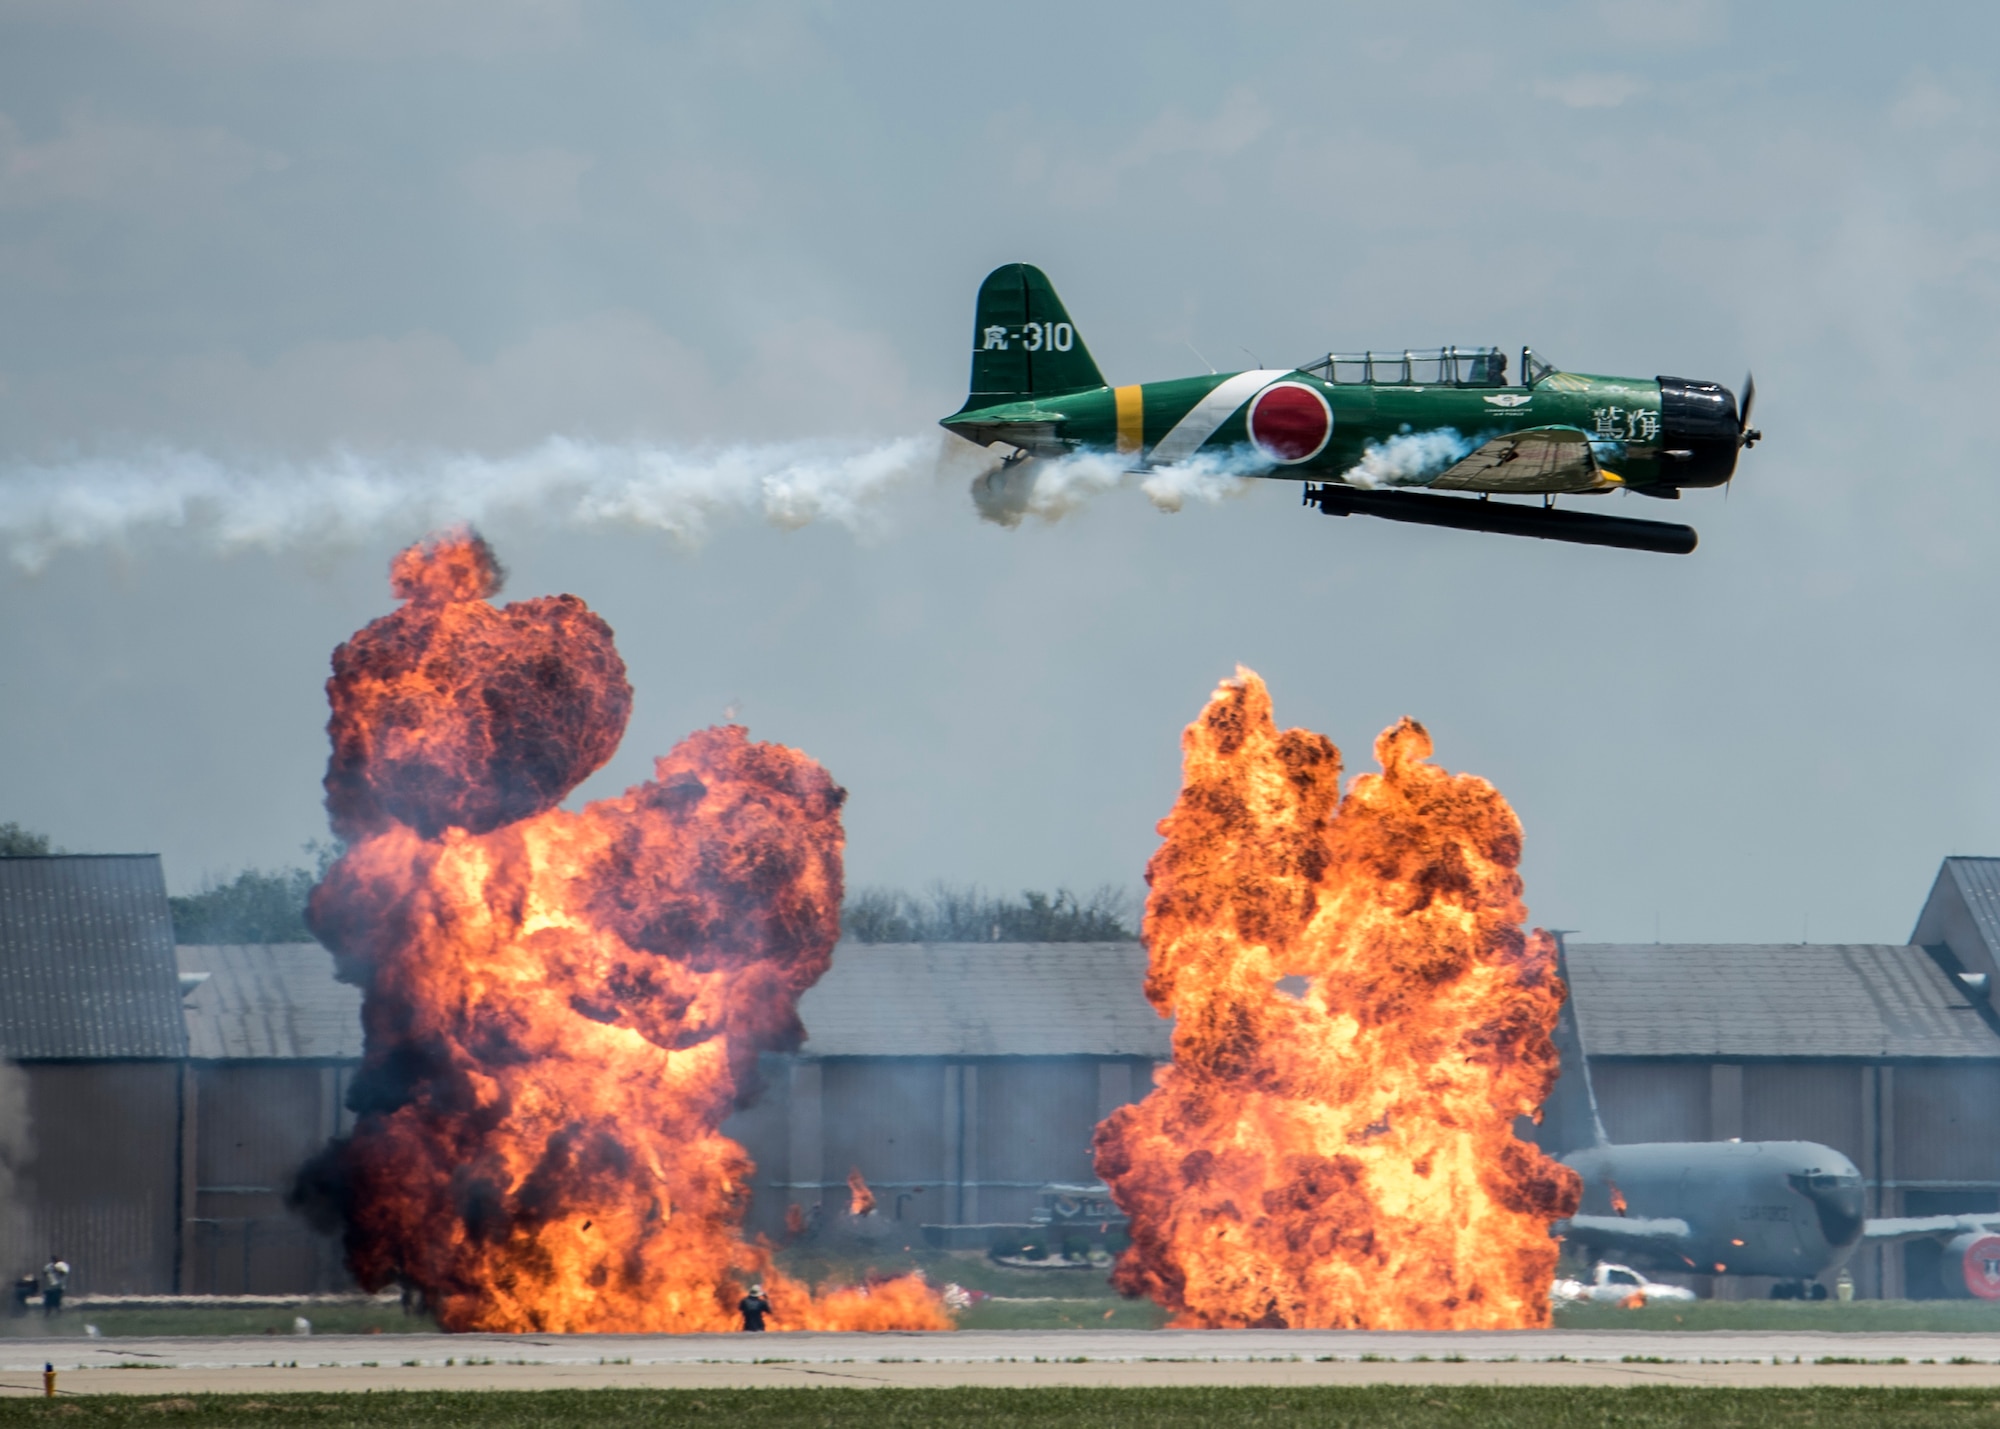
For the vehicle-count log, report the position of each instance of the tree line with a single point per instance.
(968, 914)
(268, 905)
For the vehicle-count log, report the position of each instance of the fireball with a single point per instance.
(562, 1007)
(1359, 1019)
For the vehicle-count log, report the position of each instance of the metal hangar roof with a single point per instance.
(260, 1001)
(87, 960)
(983, 1000)
(1763, 1000)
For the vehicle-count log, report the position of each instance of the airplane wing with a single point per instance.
(1658, 1234)
(1883, 1229)
(1540, 459)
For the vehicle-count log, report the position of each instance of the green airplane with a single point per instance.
(1362, 429)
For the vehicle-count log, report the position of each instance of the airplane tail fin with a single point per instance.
(1023, 342)
(1570, 1118)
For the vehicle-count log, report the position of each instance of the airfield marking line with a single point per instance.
(832, 1374)
(1648, 1374)
(687, 1375)
(1010, 1357)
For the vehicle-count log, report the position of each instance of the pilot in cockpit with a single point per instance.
(1489, 369)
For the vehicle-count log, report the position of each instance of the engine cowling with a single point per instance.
(1700, 433)
(1973, 1262)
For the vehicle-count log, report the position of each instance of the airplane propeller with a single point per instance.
(1746, 435)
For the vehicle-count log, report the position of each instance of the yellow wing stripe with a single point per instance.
(1131, 418)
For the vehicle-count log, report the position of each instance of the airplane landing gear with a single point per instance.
(1798, 1290)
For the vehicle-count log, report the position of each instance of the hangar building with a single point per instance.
(160, 1099)
(90, 1116)
(273, 1041)
(170, 1094)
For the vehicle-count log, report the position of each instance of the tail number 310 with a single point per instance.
(1035, 337)
(1058, 336)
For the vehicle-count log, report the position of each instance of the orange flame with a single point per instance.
(860, 1200)
(1618, 1202)
(561, 1008)
(1338, 1152)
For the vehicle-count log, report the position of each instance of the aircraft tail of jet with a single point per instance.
(1571, 1113)
(1024, 344)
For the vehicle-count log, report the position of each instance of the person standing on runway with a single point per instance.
(55, 1276)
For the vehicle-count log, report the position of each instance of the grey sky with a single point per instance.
(266, 233)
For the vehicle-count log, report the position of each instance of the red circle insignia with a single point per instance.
(1982, 1267)
(1290, 422)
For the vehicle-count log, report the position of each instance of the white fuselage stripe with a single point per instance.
(1187, 435)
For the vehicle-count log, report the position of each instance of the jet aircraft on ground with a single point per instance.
(1795, 1210)
(1361, 430)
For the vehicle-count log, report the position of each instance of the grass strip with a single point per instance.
(120, 1321)
(1402, 1407)
(1979, 1317)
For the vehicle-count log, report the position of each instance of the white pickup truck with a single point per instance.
(1615, 1285)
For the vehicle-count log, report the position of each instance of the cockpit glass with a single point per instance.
(1534, 367)
(1839, 1202)
(1431, 367)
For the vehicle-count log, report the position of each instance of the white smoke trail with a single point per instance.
(682, 492)
(1207, 477)
(1051, 488)
(1046, 489)
(1410, 459)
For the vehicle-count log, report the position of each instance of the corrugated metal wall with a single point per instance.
(1652, 1100)
(816, 1120)
(1947, 1124)
(762, 1129)
(1036, 1115)
(100, 1189)
(885, 1116)
(941, 1141)
(1945, 1119)
(1804, 1101)
(256, 1124)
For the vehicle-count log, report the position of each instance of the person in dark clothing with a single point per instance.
(754, 1307)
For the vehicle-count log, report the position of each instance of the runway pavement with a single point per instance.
(266, 1365)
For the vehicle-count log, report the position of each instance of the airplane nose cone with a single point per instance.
(1838, 1199)
(1700, 433)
